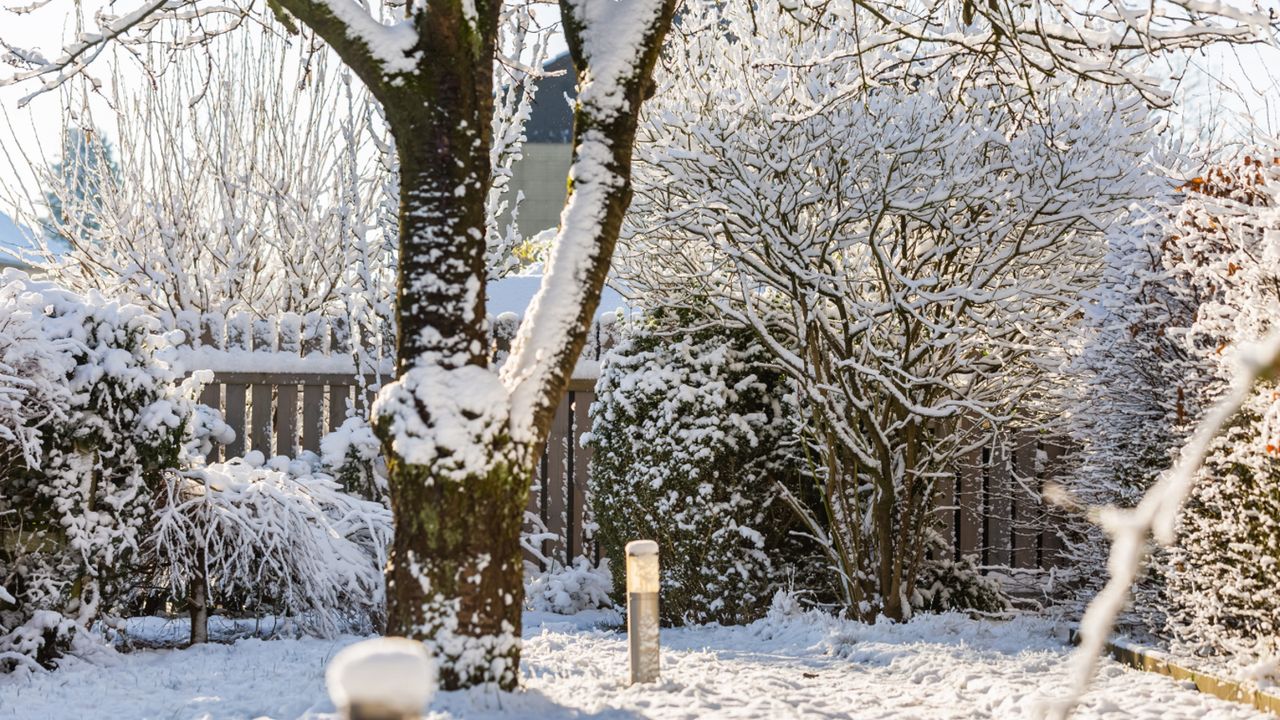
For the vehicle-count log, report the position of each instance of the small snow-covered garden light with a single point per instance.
(382, 679)
(642, 609)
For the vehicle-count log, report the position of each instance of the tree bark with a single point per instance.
(198, 603)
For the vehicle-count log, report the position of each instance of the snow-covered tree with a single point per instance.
(87, 162)
(279, 537)
(904, 253)
(460, 441)
(245, 179)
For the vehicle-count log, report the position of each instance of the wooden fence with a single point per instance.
(993, 507)
(281, 385)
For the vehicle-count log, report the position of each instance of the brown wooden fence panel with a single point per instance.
(580, 458)
(1025, 517)
(286, 419)
(969, 519)
(312, 416)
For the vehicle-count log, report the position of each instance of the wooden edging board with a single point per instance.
(1151, 660)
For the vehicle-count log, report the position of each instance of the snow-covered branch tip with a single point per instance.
(389, 47)
(616, 45)
(1155, 517)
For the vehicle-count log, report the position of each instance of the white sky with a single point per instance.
(1229, 90)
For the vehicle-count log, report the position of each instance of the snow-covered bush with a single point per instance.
(1224, 244)
(947, 584)
(909, 248)
(275, 537)
(352, 454)
(568, 589)
(96, 417)
(690, 432)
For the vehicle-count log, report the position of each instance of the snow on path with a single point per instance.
(801, 667)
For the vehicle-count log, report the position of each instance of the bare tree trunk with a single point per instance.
(198, 603)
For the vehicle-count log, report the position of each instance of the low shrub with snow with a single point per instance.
(353, 455)
(690, 440)
(569, 589)
(91, 417)
(274, 537)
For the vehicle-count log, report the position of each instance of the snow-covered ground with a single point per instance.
(808, 666)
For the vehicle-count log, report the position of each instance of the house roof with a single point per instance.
(551, 117)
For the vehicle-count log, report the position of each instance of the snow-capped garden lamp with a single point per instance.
(642, 609)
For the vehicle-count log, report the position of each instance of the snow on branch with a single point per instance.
(76, 56)
(1155, 517)
(1112, 41)
(390, 45)
(614, 44)
(373, 47)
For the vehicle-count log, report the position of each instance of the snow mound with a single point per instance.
(384, 677)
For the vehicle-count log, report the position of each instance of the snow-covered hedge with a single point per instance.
(92, 418)
(690, 437)
(1223, 579)
(1183, 295)
(1133, 390)
(353, 455)
(275, 537)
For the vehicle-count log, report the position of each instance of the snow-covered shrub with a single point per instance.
(207, 426)
(947, 584)
(569, 589)
(276, 537)
(1223, 592)
(690, 435)
(96, 419)
(353, 455)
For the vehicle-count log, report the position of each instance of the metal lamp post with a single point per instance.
(642, 609)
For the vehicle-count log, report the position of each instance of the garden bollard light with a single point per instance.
(382, 679)
(642, 609)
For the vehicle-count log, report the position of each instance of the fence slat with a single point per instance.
(1051, 543)
(556, 469)
(997, 506)
(235, 418)
(579, 459)
(312, 417)
(339, 396)
(969, 538)
(286, 424)
(946, 507)
(211, 395)
(1026, 504)
(260, 410)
